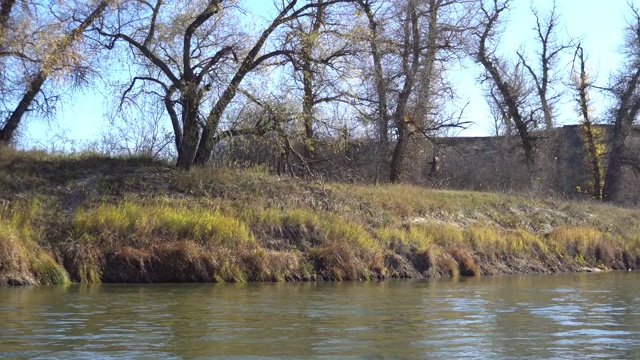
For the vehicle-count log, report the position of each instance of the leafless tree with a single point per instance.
(375, 38)
(504, 79)
(319, 54)
(196, 59)
(626, 91)
(38, 41)
(410, 55)
(548, 55)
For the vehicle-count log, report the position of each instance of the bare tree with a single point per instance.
(409, 61)
(374, 38)
(317, 52)
(548, 56)
(502, 121)
(189, 53)
(49, 52)
(513, 90)
(625, 89)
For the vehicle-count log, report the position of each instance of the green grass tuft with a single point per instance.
(135, 224)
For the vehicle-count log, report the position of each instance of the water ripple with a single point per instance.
(539, 317)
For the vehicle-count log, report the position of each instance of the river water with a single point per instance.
(573, 316)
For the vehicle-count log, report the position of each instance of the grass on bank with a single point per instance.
(22, 259)
(157, 224)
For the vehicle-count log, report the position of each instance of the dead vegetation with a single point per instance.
(90, 219)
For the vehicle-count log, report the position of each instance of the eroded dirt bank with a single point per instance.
(94, 219)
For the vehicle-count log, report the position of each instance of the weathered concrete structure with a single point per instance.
(493, 163)
(497, 163)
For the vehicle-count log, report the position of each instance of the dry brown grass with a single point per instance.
(126, 223)
(22, 260)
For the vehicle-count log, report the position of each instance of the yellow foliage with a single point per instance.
(595, 147)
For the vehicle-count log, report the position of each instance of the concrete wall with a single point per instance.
(496, 163)
(478, 163)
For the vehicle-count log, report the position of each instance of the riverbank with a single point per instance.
(87, 218)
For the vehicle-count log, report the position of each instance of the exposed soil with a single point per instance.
(282, 252)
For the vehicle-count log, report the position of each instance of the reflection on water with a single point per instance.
(552, 316)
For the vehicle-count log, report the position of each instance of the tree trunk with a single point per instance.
(35, 85)
(188, 147)
(525, 139)
(582, 85)
(308, 101)
(205, 148)
(507, 92)
(191, 132)
(593, 158)
(250, 62)
(399, 154)
(625, 115)
(546, 111)
(383, 120)
(307, 108)
(9, 128)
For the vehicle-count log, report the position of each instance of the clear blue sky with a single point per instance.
(598, 22)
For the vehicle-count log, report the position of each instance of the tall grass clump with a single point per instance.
(585, 244)
(135, 224)
(486, 239)
(338, 249)
(23, 261)
(522, 243)
(22, 257)
(347, 251)
(419, 236)
(435, 248)
(139, 240)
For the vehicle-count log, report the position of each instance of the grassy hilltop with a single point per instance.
(88, 218)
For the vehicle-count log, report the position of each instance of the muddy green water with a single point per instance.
(550, 316)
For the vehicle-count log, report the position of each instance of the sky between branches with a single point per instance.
(598, 23)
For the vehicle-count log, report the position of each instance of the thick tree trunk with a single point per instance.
(525, 139)
(10, 126)
(191, 132)
(205, 148)
(410, 62)
(399, 154)
(408, 163)
(188, 148)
